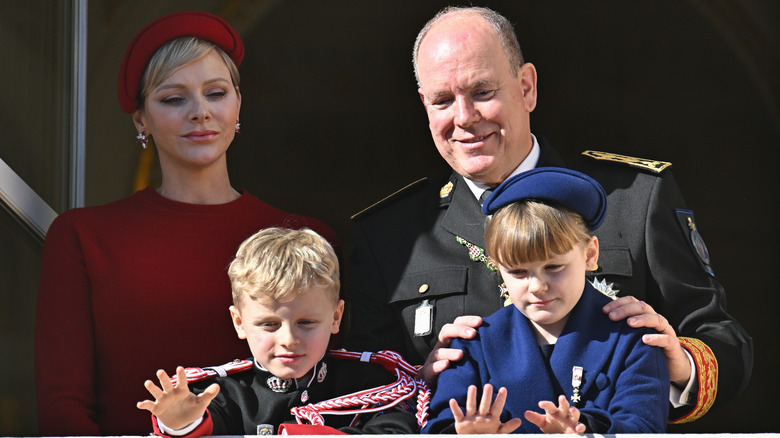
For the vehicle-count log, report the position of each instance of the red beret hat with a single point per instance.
(203, 25)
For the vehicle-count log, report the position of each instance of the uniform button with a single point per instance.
(423, 289)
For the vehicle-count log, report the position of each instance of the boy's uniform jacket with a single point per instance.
(624, 386)
(247, 400)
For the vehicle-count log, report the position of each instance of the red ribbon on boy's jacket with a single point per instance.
(308, 429)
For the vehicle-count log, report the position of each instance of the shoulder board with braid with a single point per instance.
(654, 166)
(195, 374)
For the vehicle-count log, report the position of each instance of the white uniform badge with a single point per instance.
(423, 319)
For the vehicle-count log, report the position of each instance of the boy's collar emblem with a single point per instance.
(322, 372)
(279, 385)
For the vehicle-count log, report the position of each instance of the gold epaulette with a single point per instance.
(388, 198)
(707, 374)
(642, 163)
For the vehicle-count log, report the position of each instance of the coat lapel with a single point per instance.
(464, 217)
(514, 355)
(587, 341)
(548, 157)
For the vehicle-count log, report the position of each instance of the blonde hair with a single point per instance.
(175, 54)
(530, 231)
(278, 263)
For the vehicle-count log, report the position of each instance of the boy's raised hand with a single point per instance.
(557, 419)
(488, 418)
(175, 405)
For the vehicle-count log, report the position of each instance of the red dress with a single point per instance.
(131, 287)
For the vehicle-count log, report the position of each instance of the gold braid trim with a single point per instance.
(707, 374)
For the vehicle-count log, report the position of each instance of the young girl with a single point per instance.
(554, 344)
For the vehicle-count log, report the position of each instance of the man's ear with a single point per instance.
(337, 314)
(235, 315)
(527, 77)
(422, 96)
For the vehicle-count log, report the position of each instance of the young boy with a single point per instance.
(554, 343)
(286, 305)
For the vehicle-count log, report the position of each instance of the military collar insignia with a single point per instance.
(323, 371)
(446, 190)
(279, 385)
(641, 163)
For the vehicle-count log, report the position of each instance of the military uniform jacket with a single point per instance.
(246, 400)
(406, 252)
(624, 386)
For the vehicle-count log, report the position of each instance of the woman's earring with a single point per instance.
(238, 128)
(143, 139)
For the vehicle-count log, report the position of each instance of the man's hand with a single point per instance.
(440, 357)
(557, 419)
(175, 405)
(486, 419)
(641, 314)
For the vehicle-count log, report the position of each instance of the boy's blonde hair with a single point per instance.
(531, 231)
(278, 263)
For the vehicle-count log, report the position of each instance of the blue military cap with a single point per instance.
(567, 187)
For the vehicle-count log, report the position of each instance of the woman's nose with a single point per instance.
(200, 110)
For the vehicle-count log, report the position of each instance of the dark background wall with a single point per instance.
(331, 121)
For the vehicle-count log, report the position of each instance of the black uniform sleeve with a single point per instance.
(681, 289)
